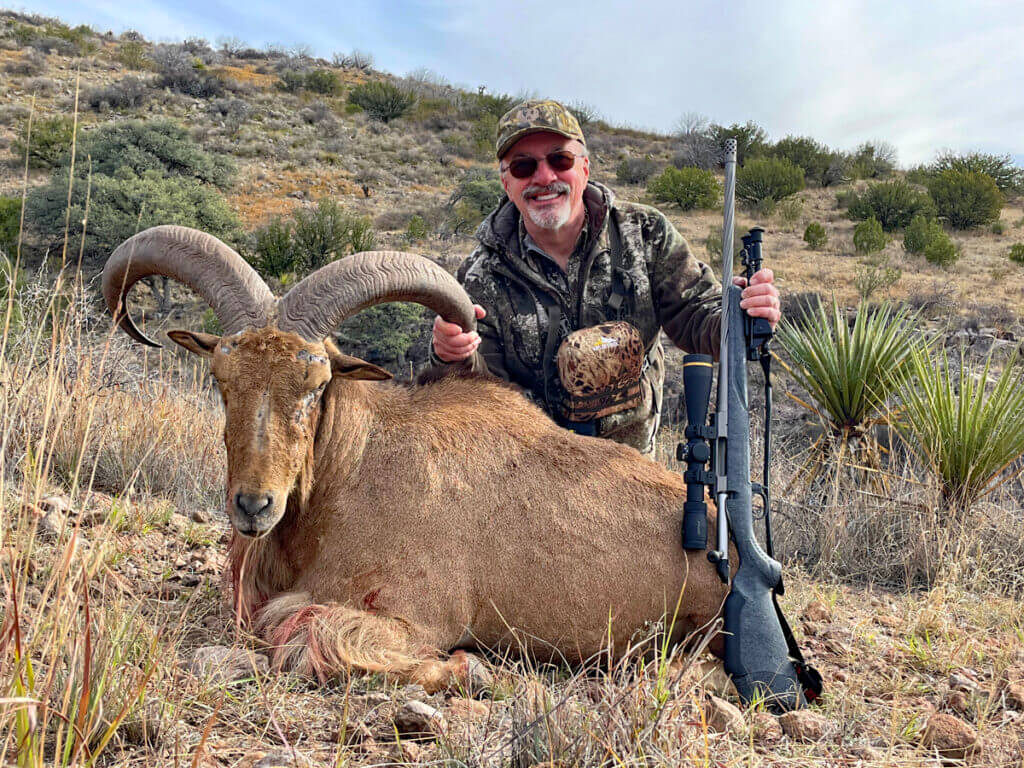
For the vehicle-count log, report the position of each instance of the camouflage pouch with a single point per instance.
(600, 369)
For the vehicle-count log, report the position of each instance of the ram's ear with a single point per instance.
(201, 344)
(348, 367)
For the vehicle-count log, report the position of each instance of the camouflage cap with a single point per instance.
(536, 116)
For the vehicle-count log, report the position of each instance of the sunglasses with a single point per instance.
(525, 167)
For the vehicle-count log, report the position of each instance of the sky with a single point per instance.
(923, 75)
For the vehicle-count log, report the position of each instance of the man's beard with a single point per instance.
(554, 217)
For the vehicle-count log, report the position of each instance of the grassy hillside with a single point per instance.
(118, 645)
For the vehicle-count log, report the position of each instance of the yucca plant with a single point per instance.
(966, 429)
(847, 370)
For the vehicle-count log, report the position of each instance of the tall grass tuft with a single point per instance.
(965, 428)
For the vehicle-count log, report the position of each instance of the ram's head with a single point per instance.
(275, 361)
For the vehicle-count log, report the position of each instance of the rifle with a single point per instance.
(761, 655)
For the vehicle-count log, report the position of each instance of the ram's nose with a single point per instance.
(253, 505)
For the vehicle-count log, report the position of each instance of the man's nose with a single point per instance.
(544, 174)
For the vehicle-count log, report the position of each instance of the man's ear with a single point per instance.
(348, 367)
(201, 344)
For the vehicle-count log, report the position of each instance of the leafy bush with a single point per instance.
(585, 114)
(10, 224)
(768, 180)
(121, 205)
(635, 170)
(477, 194)
(326, 233)
(417, 229)
(919, 233)
(837, 171)
(964, 429)
(127, 93)
(751, 139)
(688, 188)
(292, 81)
(323, 81)
(382, 100)
(941, 250)
(998, 228)
(789, 212)
(868, 236)
(713, 245)
(874, 276)
(815, 236)
(873, 160)
(481, 133)
(49, 143)
(805, 153)
(495, 105)
(965, 198)
(1017, 253)
(275, 252)
(182, 70)
(132, 54)
(894, 203)
(162, 145)
(387, 334)
(1007, 176)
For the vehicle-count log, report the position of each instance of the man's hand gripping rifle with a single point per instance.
(761, 655)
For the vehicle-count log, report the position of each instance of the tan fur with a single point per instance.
(451, 515)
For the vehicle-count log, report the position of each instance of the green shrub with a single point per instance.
(387, 334)
(919, 233)
(751, 139)
(768, 180)
(635, 170)
(127, 93)
(789, 212)
(417, 229)
(874, 276)
(873, 160)
(326, 233)
(123, 204)
(275, 252)
(998, 228)
(132, 54)
(713, 245)
(10, 224)
(292, 81)
(868, 236)
(815, 236)
(894, 203)
(48, 144)
(495, 105)
(846, 197)
(919, 174)
(482, 132)
(323, 81)
(805, 153)
(965, 198)
(1017, 253)
(1007, 176)
(381, 100)
(941, 250)
(688, 188)
(147, 145)
(477, 194)
(585, 114)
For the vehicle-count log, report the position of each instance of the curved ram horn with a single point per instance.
(320, 302)
(234, 290)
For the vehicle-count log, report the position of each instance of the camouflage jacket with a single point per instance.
(627, 247)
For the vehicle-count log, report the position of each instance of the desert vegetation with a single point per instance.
(897, 485)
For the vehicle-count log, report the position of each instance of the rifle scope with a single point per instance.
(696, 452)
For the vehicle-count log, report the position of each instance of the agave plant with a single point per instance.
(967, 429)
(848, 371)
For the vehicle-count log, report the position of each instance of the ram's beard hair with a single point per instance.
(553, 218)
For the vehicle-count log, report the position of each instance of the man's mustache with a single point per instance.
(557, 187)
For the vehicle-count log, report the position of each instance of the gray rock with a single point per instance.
(220, 664)
(418, 720)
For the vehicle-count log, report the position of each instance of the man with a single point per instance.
(559, 254)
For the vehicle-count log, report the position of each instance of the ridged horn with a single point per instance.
(234, 290)
(320, 302)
